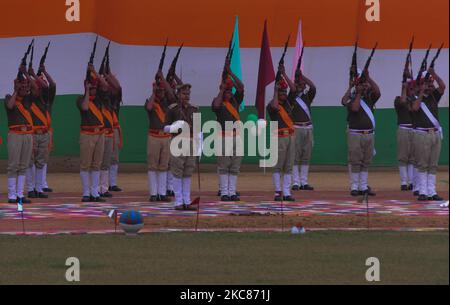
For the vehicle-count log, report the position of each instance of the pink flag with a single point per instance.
(266, 73)
(298, 49)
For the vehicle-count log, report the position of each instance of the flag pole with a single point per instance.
(199, 191)
(115, 221)
(23, 223)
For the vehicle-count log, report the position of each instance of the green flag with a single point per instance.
(236, 57)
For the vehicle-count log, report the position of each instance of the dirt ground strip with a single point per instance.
(329, 206)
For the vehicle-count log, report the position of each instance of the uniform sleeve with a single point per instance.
(78, 102)
(374, 98)
(397, 102)
(170, 116)
(292, 95)
(51, 94)
(239, 97)
(437, 95)
(214, 108)
(310, 95)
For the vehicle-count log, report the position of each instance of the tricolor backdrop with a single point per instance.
(139, 28)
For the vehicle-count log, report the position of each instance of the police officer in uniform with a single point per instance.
(360, 104)
(280, 110)
(20, 135)
(301, 99)
(405, 134)
(180, 119)
(428, 134)
(92, 136)
(158, 140)
(226, 107)
(42, 99)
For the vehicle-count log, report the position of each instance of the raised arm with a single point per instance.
(169, 91)
(275, 103)
(10, 100)
(312, 87)
(375, 89)
(346, 98)
(355, 105)
(150, 102)
(237, 82)
(416, 104)
(51, 82)
(85, 101)
(440, 82)
(291, 84)
(403, 93)
(217, 102)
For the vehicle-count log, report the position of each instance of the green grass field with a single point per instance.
(228, 258)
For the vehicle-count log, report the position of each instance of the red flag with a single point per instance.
(266, 74)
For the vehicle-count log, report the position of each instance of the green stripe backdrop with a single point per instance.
(329, 133)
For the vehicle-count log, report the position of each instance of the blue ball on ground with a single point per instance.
(131, 222)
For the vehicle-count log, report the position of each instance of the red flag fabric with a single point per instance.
(266, 73)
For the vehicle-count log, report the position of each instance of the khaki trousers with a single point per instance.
(20, 147)
(39, 156)
(115, 153)
(405, 146)
(107, 153)
(91, 152)
(360, 151)
(286, 155)
(303, 145)
(427, 149)
(228, 162)
(158, 153)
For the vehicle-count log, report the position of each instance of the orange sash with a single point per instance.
(160, 113)
(25, 113)
(95, 111)
(285, 117)
(37, 112)
(232, 110)
(107, 114)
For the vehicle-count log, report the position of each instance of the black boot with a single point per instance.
(422, 197)
(278, 196)
(42, 195)
(306, 187)
(225, 198)
(288, 198)
(435, 198)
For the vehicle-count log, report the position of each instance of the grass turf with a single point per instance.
(228, 258)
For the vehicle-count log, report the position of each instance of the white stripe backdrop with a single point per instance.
(135, 67)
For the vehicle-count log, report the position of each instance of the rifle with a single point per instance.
(43, 58)
(354, 65)
(423, 66)
(298, 70)
(228, 59)
(24, 60)
(427, 76)
(161, 61)
(108, 68)
(369, 60)
(172, 69)
(91, 59)
(281, 62)
(30, 64)
(105, 57)
(408, 60)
